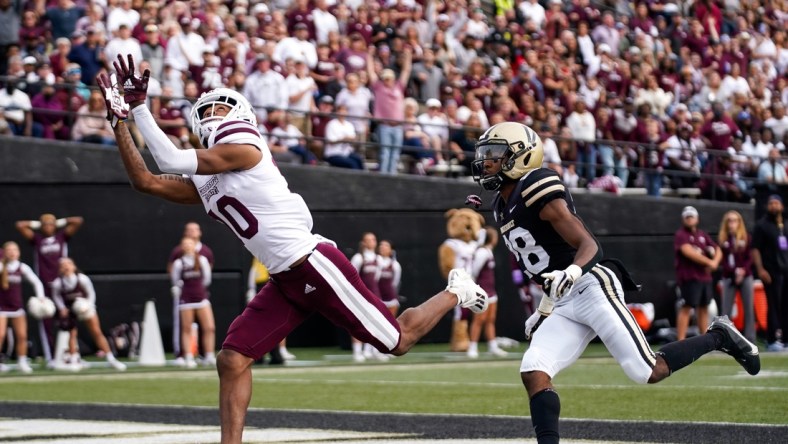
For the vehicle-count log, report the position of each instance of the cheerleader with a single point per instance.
(12, 272)
(190, 277)
(75, 299)
(484, 275)
(390, 273)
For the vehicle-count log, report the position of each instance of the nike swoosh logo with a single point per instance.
(584, 289)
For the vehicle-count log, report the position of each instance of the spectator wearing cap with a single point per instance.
(435, 125)
(63, 18)
(389, 110)
(266, 88)
(301, 13)
(89, 55)
(341, 136)
(122, 14)
(301, 88)
(427, 76)
(185, 48)
(297, 47)
(123, 44)
(696, 256)
(58, 59)
(770, 256)
(357, 99)
(152, 50)
(606, 33)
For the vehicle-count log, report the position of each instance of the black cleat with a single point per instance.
(736, 345)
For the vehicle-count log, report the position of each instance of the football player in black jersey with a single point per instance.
(582, 299)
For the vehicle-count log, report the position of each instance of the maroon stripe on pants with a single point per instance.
(284, 303)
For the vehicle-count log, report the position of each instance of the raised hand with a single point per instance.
(136, 88)
(117, 108)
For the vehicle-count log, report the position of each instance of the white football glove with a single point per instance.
(176, 292)
(536, 319)
(250, 294)
(558, 283)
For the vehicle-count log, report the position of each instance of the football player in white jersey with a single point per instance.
(582, 299)
(239, 184)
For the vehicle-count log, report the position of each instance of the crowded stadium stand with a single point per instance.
(655, 97)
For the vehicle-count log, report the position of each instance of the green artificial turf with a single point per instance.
(428, 381)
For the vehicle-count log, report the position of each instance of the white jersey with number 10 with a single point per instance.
(274, 224)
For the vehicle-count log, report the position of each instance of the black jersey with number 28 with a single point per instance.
(533, 241)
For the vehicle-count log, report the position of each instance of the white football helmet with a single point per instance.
(516, 146)
(40, 308)
(240, 109)
(83, 308)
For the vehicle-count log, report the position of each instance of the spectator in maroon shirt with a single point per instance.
(325, 106)
(696, 41)
(49, 112)
(719, 129)
(171, 119)
(361, 24)
(354, 58)
(642, 21)
(477, 81)
(710, 17)
(696, 256)
(736, 246)
(32, 34)
(301, 13)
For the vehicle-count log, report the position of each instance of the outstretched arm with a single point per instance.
(171, 187)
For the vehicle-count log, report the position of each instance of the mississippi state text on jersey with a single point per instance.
(534, 242)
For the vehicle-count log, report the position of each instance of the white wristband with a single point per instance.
(546, 305)
(34, 224)
(62, 222)
(167, 156)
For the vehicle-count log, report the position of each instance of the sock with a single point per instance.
(210, 356)
(680, 354)
(111, 357)
(22, 359)
(189, 357)
(357, 348)
(282, 349)
(492, 344)
(473, 346)
(545, 409)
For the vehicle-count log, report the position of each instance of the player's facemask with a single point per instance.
(497, 154)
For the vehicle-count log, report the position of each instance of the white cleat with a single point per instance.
(473, 354)
(4, 368)
(180, 362)
(286, 355)
(498, 353)
(191, 363)
(117, 365)
(358, 357)
(24, 367)
(469, 295)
